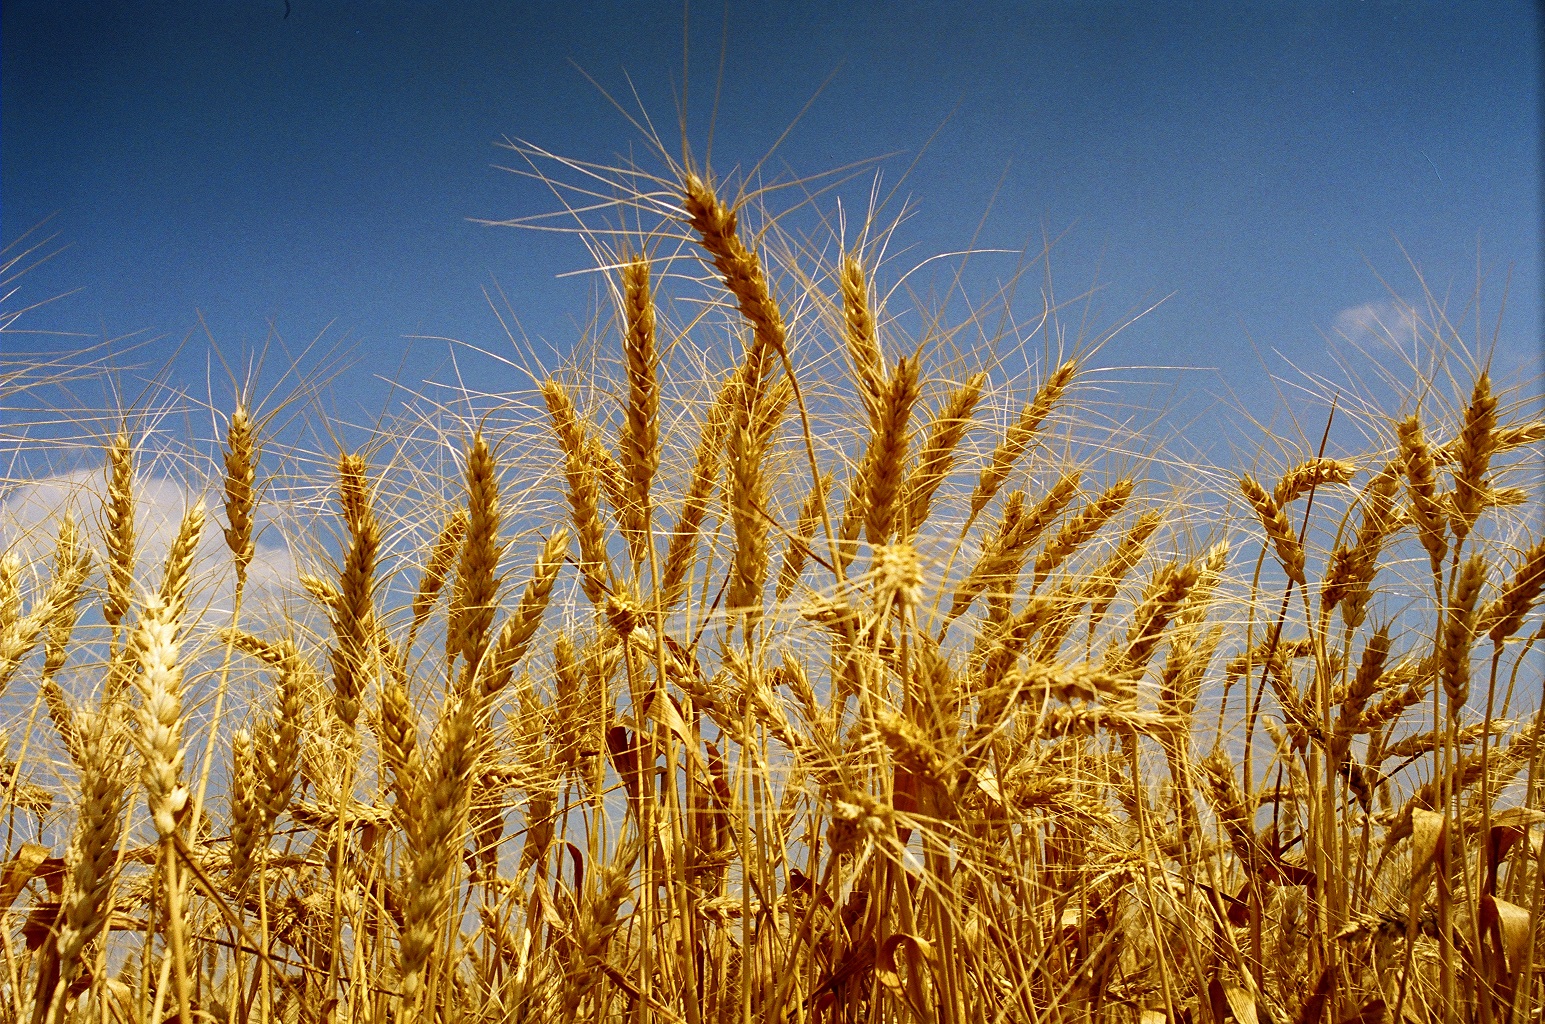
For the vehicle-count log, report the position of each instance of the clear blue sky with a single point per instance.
(1257, 160)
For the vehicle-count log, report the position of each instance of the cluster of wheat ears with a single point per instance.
(840, 683)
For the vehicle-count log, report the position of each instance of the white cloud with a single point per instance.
(1393, 322)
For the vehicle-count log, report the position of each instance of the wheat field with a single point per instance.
(783, 657)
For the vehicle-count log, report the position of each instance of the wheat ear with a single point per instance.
(241, 458)
(741, 271)
(515, 637)
(92, 855)
(472, 600)
(353, 616)
(432, 580)
(1421, 486)
(863, 340)
(1017, 438)
(641, 429)
(945, 432)
(118, 528)
(682, 550)
(1503, 615)
(1459, 632)
(1278, 529)
(1476, 444)
(583, 489)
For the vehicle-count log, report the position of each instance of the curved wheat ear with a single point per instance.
(1105, 580)
(884, 466)
(583, 489)
(1308, 475)
(118, 527)
(742, 274)
(682, 549)
(515, 637)
(1503, 615)
(641, 429)
(1167, 592)
(241, 457)
(21, 635)
(1352, 569)
(179, 562)
(353, 616)
(472, 601)
(93, 850)
(1017, 438)
(1475, 445)
(863, 340)
(159, 716)
(1004, 558)
(1421, 486)
(1078, 530)
(446, 547)
(1280, 531)
(934, 462)
(1459, 632)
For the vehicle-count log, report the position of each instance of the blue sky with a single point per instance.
(1260, 164)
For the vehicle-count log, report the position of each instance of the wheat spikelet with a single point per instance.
(472, 600)
(1472, 456)
(1502, 616)
(118, 528)
(1017, 438)
(641, 429)
(1280, 531)
(323, 591)
(945, 432)
(1459, 632)
(741, 271)
(884, 465)
(1422, 488)
(353, 616)
(1079, 529)
(863, 340)
(10, 590)
(583, 489)
(241, 457)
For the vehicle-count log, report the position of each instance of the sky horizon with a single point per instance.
(319, 170)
